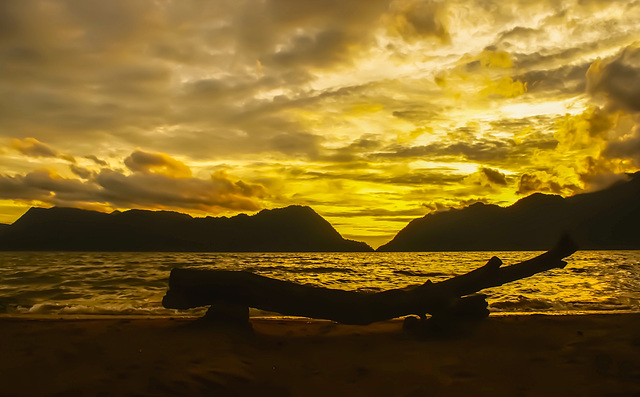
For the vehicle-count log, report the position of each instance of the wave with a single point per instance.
(522, 303)
(58, 309)
(417, 273)
(289, 269)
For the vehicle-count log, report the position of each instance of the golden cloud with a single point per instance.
(158, 181)
(157, 163)
(34, 148)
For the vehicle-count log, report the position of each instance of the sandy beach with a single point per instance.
(589, 355)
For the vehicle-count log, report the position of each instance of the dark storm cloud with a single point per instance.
(496, 152)
(16, 187)
(559, 67)
(68, 67)
(618, 79)
(81, 171)
(565, 80)
(615, 83)
(217, 90)
(484, 180)
(419, 115)
(543, 182)
(494, 177)
(96, 160)
(296, 144)
(44, 186)
(331, 28)
(320, 50)
(169, 187)
(65, 52)
(369, 172)
(154, 190)
(518, 124)
(625, 148)
(416, 20)
(482, 150)
(353, 152)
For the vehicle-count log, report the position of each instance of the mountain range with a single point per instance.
(607, 219)
(290, 229)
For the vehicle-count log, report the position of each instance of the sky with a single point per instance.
(371, 112)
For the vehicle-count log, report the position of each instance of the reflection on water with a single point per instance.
(134, 283)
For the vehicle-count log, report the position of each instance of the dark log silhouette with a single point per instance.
(189, 288)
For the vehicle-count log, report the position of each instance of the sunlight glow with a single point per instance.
(396, 107)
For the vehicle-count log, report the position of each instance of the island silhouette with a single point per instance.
(606, 219)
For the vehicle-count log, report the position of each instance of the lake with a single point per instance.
(111, 283)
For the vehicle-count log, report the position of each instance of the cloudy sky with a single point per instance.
(372, 112)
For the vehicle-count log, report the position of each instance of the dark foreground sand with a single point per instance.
(595, 355)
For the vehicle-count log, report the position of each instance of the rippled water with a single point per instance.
(59, 283)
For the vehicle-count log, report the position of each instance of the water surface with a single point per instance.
(71, 283)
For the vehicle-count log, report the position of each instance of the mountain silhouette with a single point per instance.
(290, 229)
(607, 219)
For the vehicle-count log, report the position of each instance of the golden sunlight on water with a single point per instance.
(134, 283)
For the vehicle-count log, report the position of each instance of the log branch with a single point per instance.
(189, 288)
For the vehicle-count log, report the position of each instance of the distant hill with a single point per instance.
(607, 219)
(3, 228)
(290, 229)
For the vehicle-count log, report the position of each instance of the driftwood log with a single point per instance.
(236, 291)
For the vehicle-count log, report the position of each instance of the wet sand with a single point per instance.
(591, 355)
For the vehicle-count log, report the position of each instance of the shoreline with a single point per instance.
(531, 355)
(275, 317)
